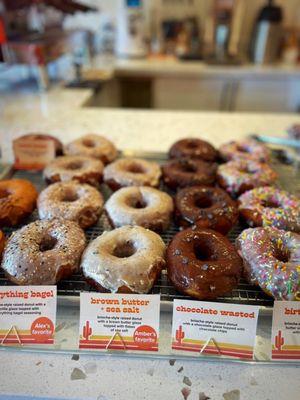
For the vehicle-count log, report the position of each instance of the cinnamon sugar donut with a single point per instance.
(74, 168)
(236, 177)
(203, 264)
(17, 201)
(246, 149)
(268, 206)
(193, 148)
(71, 200)
(93, 146)
(271, 260)
(43, 252)
(143, 206)
(125, 260)
(132, 172)
(184, 172)
(206, 207)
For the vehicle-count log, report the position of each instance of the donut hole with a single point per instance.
(74, 165)
(124, 250)
(136, 168)
(203, 201)
(188, 167)
(4, 193)
(47, 243)
(282, 254)
(89, 143)
(192, 144)
(269, 203)
(247, 170)
(243, 149)
(137, 203)
(204, 251)
(69, 197)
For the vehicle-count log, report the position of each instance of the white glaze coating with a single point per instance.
(71, 200)
(120, 171)
(101, 265)
(25, 262)
(93, 145)
(88, 169)
(122, 210)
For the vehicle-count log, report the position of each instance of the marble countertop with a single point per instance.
(172, 67)
(61, 113)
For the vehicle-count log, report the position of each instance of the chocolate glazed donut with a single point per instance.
(207, 207)
(193, 148)
(188, 172)
(203, 263)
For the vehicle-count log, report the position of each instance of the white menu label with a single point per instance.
(119, 322)
(214, 328)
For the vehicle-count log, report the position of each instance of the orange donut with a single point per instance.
(17, 201)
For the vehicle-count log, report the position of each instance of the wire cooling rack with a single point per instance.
(289, 179)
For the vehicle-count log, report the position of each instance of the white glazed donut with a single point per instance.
(43, 252)
(126, 260)
(74, 168)
(93, 146)
(71, 200)
(132, 172)
(143, 206)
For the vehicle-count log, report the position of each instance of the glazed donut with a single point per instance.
(246, 149)
(203, 264)
(78, 168)
(236, 177)
(94, 146)
(17, 201)
(71, 200)
(43, 252)
(268, 206)
(132, 172)
(206, 207)
(271, 260)
(193, 148)
(143, 206)
(41, 136)
(126, 260)
(188, 172)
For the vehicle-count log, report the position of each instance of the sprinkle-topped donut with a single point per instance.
(71, 200)
(143, 206)
(238, 176)
(193, 148)
(126, 260)
(93, 146)
(207, 207)
(272, 260)
(246, 149)
(43, 252)
(74, 168)
(268, 206)
(184, 172)
(132, 172)
(202, 263)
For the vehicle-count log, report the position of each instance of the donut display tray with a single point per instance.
(69, 289)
